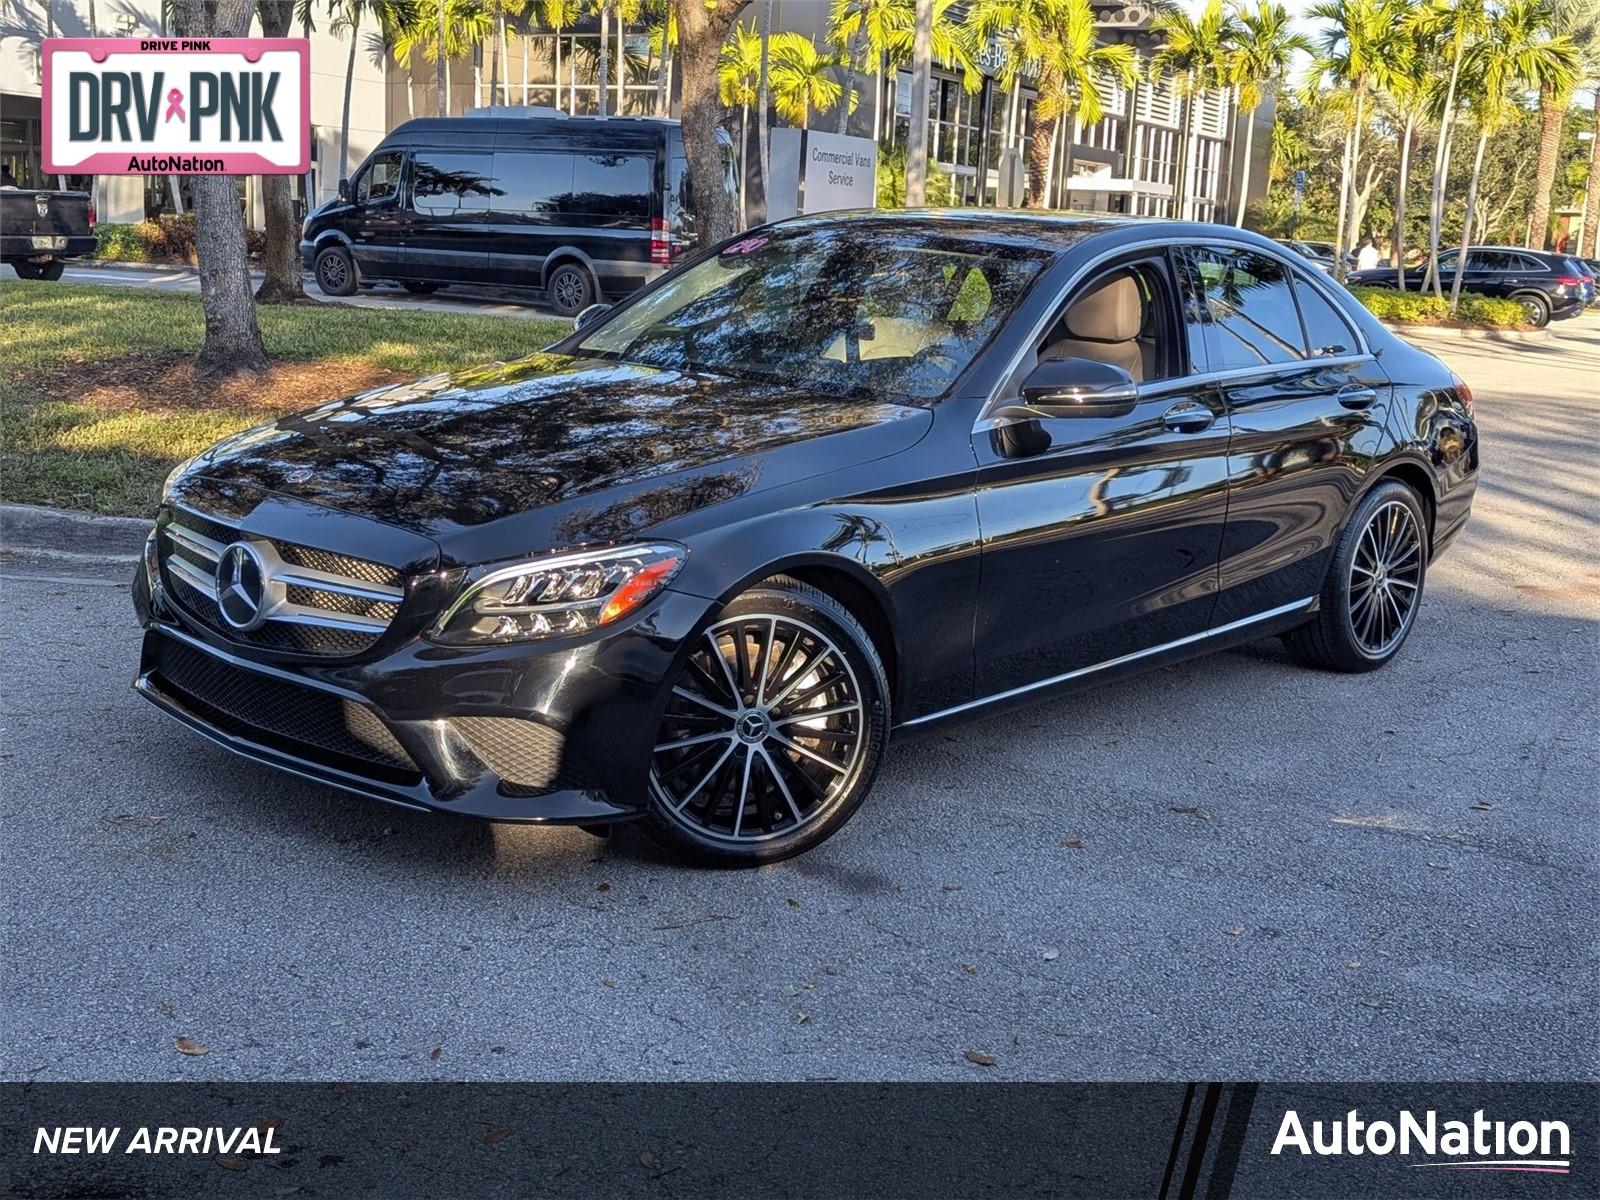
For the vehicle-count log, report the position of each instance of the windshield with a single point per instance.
(845, 310)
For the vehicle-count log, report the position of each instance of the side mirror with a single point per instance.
(344, 190)
(1075, 387)
(589, 316)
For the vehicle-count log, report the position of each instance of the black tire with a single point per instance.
(570, 289)
(1536, 307)
(52, 270)
(419, 287)
(26, 270)
(751, 790)
(335, 272)
(1370, 599)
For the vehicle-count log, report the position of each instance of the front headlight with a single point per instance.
(556, 596)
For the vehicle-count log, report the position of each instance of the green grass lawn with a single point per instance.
(98, 399)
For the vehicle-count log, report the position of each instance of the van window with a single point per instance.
(612, 185)
(538, 183)
(380, 178)
(443, 184)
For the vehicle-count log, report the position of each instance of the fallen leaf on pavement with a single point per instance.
(1051, 954)
(979, 1058)
(190, 1046)
(608, 983)
(1233, 930)
(1073, 843)
(232, 1164)
(496, 1135)
(1199, 814)
(647, 1159)
(435, 1052)
(1482, 806)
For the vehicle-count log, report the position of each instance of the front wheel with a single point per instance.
(335, 272)
(1369, 601)
(774, 730)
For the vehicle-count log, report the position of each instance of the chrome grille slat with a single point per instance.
(302, 595)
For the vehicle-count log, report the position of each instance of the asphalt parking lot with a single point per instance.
(1235, 868)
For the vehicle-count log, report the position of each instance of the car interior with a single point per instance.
(1120, 319)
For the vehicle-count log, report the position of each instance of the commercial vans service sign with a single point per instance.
(196, 106)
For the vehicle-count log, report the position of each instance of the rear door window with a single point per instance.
(1327, 331)
(446, 184)
(1248, 310)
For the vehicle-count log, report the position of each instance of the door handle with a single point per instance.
(1188, 416)
(1356, 396)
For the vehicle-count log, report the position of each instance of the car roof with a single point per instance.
(1037, 228)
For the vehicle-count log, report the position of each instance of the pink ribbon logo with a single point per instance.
(175, 105)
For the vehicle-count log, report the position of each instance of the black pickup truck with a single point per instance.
(40, 230)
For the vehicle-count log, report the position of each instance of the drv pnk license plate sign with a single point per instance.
(192, 106)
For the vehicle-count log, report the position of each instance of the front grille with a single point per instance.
(316, 602)
(303, 721)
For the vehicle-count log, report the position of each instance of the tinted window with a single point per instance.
(446, 184)
(1490, 260)
(859, 310)
(1195, 316)
(1326, 331)
(538, 183)
(1248, 312)
(612, 185)
(380, 178)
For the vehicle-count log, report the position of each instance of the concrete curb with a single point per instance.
(31, 531)
(1486, 335)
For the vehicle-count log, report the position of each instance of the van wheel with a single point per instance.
(419, 287)
(26, 270)
(336, 272)
(52, 270)
(570, 290)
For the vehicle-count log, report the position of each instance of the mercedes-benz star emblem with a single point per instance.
(41, 205)
(241, 586)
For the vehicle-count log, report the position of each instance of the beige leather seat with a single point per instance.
(1103, 325)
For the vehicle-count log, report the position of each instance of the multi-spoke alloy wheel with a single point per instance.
(1385, 578)
(1369, 600)
(772, 730)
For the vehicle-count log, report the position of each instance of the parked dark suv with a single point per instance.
(839, 476)
(1550, 287)
(580, 208)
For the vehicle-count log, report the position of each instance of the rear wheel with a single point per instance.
(570, 289)
(52, 270)
(335, 272)
(1535, 308)
(1374, 586)
(774, 731)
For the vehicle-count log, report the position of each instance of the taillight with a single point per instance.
(1571, 280)
(93, 215)
(1464, 394)
(660, 242)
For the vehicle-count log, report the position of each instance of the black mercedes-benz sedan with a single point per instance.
(840, 478)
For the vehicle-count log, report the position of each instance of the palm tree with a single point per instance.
(1454, 23)
(391, 16)
(663, 41)
(1358, 51)
(738, 84)
(802, 77)
(1261, 56)
(498, 50)
(560, 15)
(1410, 88)
(1518, 53)
(442, 30)
(1197, 53)
(1579, 20)
(1591, 196)
(876, 22)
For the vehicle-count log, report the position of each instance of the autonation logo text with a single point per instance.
(1476, 1145)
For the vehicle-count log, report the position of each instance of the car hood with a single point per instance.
(564, 450)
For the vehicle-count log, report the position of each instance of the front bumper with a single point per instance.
(553, 733)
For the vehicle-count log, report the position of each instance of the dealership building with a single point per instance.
(1127, 163)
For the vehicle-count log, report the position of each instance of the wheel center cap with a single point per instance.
(753, 725)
